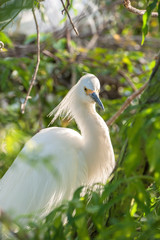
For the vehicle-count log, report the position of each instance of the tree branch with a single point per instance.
(127, 4)
(123, 74)
(126, 104)
(134, 95)
(23, 105)
(65, 8)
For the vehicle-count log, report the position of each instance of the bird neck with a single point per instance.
(90, 123)
(97, 147)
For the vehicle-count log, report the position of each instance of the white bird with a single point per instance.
(56, 161)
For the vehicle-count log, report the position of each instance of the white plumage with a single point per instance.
(56, 161)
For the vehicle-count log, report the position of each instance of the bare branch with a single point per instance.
(126, 104)
(134, 95)
(65, 8)
(127, 4)
(123, 74)
(23, 105)
(71, 59)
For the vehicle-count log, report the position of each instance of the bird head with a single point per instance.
(88, 89)
(86, 92)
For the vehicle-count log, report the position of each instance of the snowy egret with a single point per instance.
(56, 161)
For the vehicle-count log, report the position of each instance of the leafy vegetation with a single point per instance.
(128, 206)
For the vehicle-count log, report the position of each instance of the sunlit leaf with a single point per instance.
(10, 9)
(146, 18)
(6, 39)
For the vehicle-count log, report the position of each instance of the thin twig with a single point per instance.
(23, 105)
(126, 104)
(71, 59)
(127, 4)
(134, 95)
(67, 6)
(66, 10)
(51, 55)
(123, 74)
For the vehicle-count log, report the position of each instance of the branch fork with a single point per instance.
(127, 4)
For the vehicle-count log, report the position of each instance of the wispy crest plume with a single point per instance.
(64, 108)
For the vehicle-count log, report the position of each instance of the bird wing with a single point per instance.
(46, 172)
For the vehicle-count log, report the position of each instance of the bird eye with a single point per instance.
(85, 89)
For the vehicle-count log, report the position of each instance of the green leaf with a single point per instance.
(5, 39)
(3, 1)
(146, 18)
(60, 44)
(10, 9)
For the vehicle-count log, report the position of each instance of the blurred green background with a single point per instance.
(128, 207)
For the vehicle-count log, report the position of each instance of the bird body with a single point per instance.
(56, 161)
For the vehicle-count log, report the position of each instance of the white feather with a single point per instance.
(56, 161)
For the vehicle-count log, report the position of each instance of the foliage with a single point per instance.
(127, 207)
(10, 9)
(146, 18)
